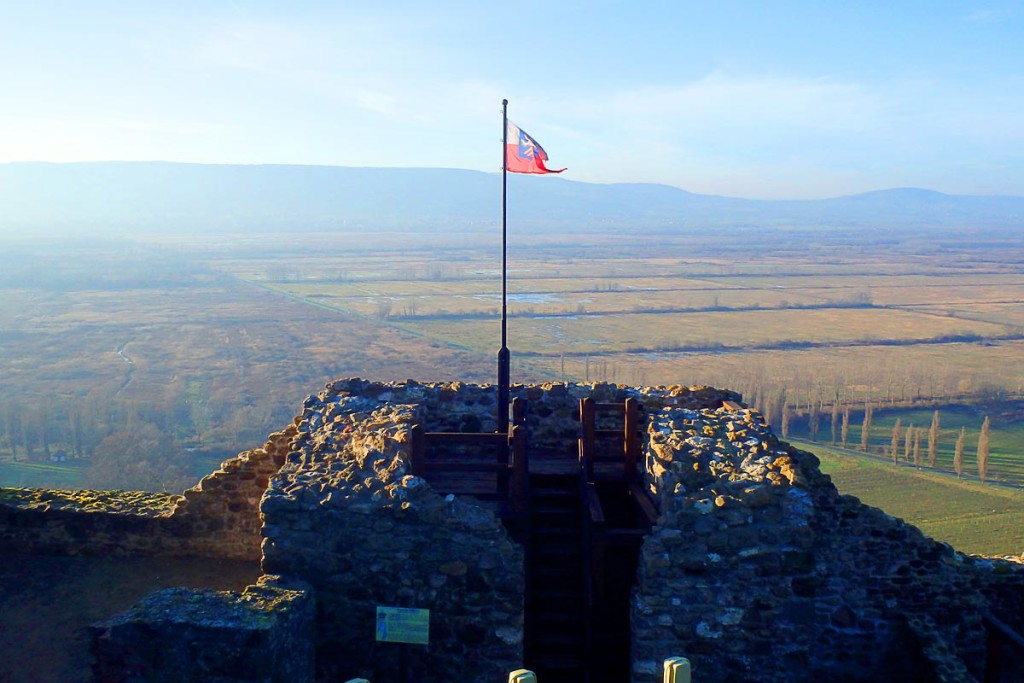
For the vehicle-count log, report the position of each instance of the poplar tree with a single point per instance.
(785, 421)
(813, 420)
(845, 433)
(865, 429)
(835, 421)
(983, 451)
(908, 442)
(917, 447)
(894, 445)
(933, 440)
(958, 452)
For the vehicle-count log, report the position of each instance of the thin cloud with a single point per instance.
(992, 15)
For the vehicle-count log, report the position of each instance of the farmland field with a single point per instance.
(969, 516)
(216, 340)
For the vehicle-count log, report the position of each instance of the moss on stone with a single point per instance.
(141, 503)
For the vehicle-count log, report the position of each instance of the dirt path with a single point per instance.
(47, 603)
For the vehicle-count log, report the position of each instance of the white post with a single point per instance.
(677, 670)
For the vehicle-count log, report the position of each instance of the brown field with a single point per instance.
(227, 334)
(746, 329)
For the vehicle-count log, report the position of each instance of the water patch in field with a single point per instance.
(524, 298)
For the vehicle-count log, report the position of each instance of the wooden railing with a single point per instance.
(503, 479)
(629, 434)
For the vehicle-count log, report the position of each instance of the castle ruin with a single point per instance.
(609, 528)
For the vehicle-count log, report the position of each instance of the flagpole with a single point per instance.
(504, 357)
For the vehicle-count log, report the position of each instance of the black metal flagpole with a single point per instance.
(504, 358)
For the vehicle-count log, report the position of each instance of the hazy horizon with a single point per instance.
(257, 164)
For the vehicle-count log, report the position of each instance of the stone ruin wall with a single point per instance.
(345, 515)
(757, 570)
(219, 517)
(760, 570)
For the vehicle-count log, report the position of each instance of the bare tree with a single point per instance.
(140, 459)
(12, 428)
(813, 420)
(908, 442)
(933, 439)
(983, 450)
(845, 432)
(917, 447)
(865, 429)
(75, 420)
(958, 452)
(834, 424)
(894, 445)
(785, 421)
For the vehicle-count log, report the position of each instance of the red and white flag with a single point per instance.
(523, 154)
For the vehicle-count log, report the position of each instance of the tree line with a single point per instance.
(133, 444)
(911, 444)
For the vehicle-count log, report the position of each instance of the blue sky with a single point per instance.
(767, 99)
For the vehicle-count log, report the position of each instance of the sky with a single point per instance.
(759, 99)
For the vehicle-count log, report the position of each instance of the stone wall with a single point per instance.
(760, 571)
(222, 510)
(107, 523)
(217, 518)
(757, 570)
(553, 407)
(264, 633)
(344, 515)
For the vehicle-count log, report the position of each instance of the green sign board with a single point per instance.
(403, 625)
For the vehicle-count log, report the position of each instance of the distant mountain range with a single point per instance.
(161, 196)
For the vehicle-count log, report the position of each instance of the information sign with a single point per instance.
(403, 625)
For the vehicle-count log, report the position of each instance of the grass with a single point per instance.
(1006, 458)
(632, 331)
(972, 517)
(65, 475)
(941, 370)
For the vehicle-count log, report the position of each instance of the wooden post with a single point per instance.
(520, 472)
(504, 458)
(419, 452)
(587, 427)
(519, 411)
(631, 441)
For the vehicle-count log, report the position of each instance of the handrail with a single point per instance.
(997, 634)
(1004, 630)
(467, 437)
(510, 465)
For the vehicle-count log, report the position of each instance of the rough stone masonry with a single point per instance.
(757, 569)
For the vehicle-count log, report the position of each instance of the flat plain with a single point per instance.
(217, 339)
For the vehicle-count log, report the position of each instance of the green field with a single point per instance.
(65, 475)
(1006, 432)
(972, 517)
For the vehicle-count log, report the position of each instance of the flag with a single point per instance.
(523, 154)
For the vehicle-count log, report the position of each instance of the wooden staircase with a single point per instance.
(582, 522)
(555, 591)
